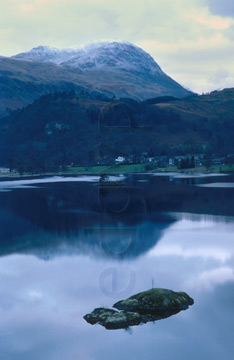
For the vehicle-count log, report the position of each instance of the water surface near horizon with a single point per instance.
(70, 246)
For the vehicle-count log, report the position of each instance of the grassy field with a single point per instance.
(115, 169)
(141, 168)
(129, 168)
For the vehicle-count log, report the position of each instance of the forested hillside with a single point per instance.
(63, 128)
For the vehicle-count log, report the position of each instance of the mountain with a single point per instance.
(64, 128)
(113, 69)
(102, 55)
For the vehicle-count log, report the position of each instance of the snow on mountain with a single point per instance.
(113, 55)
(46, 54)
(101, 55)
(117, 69)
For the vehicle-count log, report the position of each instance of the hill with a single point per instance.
(63, 128)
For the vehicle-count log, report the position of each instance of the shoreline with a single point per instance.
(117, 171)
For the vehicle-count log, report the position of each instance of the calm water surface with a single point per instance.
(69, 245)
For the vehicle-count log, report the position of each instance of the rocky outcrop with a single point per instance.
(112, 319)
(151, 305)
(156, 301)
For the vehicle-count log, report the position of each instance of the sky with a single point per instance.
(191, 40)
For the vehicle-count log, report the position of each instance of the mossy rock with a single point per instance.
(151, 305)
(99, 315)
(156, 302)
(122, 320)
(112, 319)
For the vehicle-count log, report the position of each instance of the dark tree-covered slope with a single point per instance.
(64, 128)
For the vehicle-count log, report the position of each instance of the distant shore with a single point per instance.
(121, 169)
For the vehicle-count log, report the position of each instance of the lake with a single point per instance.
(71, 244)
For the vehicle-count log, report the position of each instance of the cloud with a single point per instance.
(206, 253)
(223, 7)
(208, 280)
(196, 62)
(203, 17)
(220, 76)
(189, 39)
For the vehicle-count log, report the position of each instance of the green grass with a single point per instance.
(87, 169)
(222, 168)
(167, 169)
(114, 169)
(130, 168)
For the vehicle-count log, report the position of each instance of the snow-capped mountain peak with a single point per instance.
(99, 55)
(117, 69)
(114, 55)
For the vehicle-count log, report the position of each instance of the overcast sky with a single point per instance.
(192, 40)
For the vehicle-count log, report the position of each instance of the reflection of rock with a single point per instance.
(151, 305)
(112, 319)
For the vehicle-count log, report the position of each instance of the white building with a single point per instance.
(120, 160)
(4, 170)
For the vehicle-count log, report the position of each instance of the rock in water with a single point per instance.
(156, 302)
(151, 305)
(112, 319)
(99, 315)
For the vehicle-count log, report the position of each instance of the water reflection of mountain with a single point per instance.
(117, 241)
(120, 221)
(78, 218)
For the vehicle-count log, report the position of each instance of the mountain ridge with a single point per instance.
(113, 69)
(122, 55)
